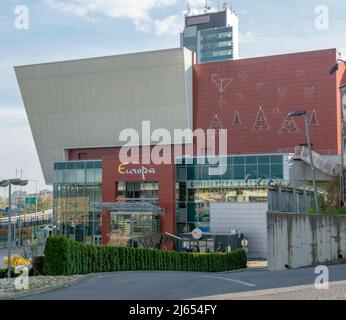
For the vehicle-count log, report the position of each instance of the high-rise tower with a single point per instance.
(213, 35)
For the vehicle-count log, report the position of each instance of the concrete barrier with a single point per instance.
(300, 240)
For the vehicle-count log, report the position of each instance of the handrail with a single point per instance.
(320, 162)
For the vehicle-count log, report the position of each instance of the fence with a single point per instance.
(289, 199)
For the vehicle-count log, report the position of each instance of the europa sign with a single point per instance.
(142, 171)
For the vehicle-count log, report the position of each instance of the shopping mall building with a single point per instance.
(78, 111)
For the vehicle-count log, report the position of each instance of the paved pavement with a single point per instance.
(336, 291)
(184, 285)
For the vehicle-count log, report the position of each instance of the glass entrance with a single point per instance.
(138, 190)
(133, 224)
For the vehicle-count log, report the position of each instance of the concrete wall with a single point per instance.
(248, 218)
(299, 240)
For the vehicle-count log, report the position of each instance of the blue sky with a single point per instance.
(69, 29)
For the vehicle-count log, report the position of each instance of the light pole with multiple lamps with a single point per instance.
(299, 114)
(342, 88)
(5, 184)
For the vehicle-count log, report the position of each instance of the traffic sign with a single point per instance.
(197, 233)
(244, 243)
(30, 201)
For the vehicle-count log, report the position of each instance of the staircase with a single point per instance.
(328, 167)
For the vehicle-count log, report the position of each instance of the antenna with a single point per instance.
(206, 8)
(188, 8)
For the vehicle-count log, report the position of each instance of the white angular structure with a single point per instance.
(87, 103)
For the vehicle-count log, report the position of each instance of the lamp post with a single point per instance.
(299, 114)
(5, 184)
(332, 71)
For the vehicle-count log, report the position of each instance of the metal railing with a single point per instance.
(282, 198)
(29, 219)
(320, 162)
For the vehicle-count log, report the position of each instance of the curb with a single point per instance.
(43, 290)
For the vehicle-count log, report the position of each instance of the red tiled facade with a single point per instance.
(251, 98)
(260, 94)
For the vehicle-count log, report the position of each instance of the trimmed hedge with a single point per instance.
(67, 257)
(3, 273)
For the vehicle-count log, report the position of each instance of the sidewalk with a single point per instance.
(37, 285)
(336, 291)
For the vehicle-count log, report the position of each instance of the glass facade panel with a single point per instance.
(200, 189)
(76, 185)
(216, 44)
(276, 171)
(263, 170)
(238, 172)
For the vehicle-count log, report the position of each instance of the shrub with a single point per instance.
(37, 266)
(67, 257)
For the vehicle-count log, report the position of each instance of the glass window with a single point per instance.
(238, 172)
(181, 193)
(69, 176)
(90, 175)
(61, 165)
(252, 171)
(191, 173)
(70, 165)
(251, 160)
(203, 172)
(181, 173)
(98, 165)
(263, 170)
(90, 165)
(80, 176)
(277, 159)
(264, 159)
(239, 160)
(191, 212)
(277, 171)
(98, 175)
(80, 165)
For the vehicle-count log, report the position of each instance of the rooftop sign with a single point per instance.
(197, 20)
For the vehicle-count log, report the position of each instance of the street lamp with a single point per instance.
(332, 71)
(5, 184)
(299, 114)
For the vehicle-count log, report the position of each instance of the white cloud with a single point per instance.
(196, 3)
(246, 37)
(136, 10)
(12, 114)
(170, 25)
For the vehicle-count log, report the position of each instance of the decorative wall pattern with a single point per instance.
(221, 83)
(236, 119)
(251, 98)
(261, 122)
(289, 126)
(314, 119)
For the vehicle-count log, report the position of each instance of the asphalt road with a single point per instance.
(183, 285)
